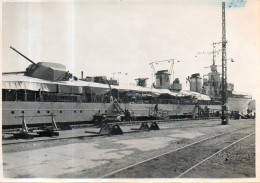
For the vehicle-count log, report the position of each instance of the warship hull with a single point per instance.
(74, 112)
(69, 112)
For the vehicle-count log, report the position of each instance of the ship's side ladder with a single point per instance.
(197, 106)
(117, 106)
(120, 110)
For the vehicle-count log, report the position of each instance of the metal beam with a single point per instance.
(224, 68)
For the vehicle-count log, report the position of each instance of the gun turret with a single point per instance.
(141, 82)
(46, 70)
(23, 56)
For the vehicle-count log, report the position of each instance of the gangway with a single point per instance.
(118, 107)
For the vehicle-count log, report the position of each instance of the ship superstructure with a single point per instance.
(48, 88)
(212, 82)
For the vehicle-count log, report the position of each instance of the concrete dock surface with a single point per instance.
(94, 157)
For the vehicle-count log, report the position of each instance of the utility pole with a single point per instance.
(224, 69)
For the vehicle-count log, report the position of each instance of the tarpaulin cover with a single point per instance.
(21, 85)
(197, 95)
(18, 81)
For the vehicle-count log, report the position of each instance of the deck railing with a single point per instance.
(33, 96)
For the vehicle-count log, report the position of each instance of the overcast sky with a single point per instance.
(103, 38)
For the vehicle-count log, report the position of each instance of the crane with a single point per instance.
(170, 61)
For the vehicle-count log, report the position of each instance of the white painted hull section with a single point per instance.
(80, 112)
(75, 112)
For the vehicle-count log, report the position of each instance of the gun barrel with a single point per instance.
(23, 55)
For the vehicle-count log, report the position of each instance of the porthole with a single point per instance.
(22, 112)
(38, 112)
(75, 111)
(60, 111)
(48, 112)
(12, 112)
(80, 111)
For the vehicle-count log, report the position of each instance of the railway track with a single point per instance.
(196, 165)
(48, 139)
(179, 156)
(173, 164)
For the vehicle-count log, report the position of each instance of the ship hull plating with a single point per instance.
(39, 112)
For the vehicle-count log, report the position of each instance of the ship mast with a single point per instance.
(214, 56)
(224, 68)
